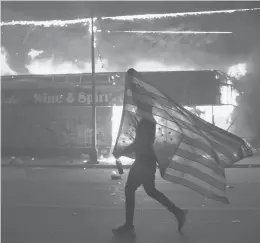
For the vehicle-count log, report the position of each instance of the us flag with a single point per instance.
(189, 150)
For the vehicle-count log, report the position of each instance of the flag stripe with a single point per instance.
(199, 159)
(203, 146)
(197, 181)
(201, 173)
(201, 167)
(208, 192)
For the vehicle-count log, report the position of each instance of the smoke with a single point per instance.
(5, 68)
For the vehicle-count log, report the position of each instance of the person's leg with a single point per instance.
(149, 187)
(133, 182)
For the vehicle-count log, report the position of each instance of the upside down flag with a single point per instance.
(189, 150)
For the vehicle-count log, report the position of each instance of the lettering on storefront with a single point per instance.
(47, 99)
(87, 98)
(71, 98)
(62, 98)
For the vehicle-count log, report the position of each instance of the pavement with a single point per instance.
(59, 205)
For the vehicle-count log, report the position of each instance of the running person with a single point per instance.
(143, 172)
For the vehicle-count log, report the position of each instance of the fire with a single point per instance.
(237, 71)
(220, 115)
(116, 119)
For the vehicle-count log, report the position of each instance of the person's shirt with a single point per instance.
(143, 144)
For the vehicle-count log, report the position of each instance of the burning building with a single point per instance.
(50, 115)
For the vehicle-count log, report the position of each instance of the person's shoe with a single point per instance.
(181, 218)
(124, 230)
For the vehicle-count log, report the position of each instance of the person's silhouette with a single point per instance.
(143, 172)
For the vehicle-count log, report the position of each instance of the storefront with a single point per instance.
(51, 115)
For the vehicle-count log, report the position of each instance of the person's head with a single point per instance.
(145, 111)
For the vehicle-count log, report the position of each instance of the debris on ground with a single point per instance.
(115, 176)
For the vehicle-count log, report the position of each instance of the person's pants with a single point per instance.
(143, 175)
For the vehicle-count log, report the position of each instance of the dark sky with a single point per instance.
(67, 48)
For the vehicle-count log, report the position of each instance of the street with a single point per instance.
(83, 205)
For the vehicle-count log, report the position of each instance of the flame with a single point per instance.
(50, 66)
(217, 115)
(34, 53)
(237, 71)
(5, 68)
(116, 119)
(220, 115)
(228, 95)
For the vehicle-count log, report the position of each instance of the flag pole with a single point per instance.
(94, 138)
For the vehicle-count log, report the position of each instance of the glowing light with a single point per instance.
(173, 32)
(94, 27)
(237, 71)
(47, 23)
(34, 53)
(5, 67)
(228, 95)
(116, 119)
(50, 66)
(94, 31)
(175, 15)
(63, 23)
(221, 114)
